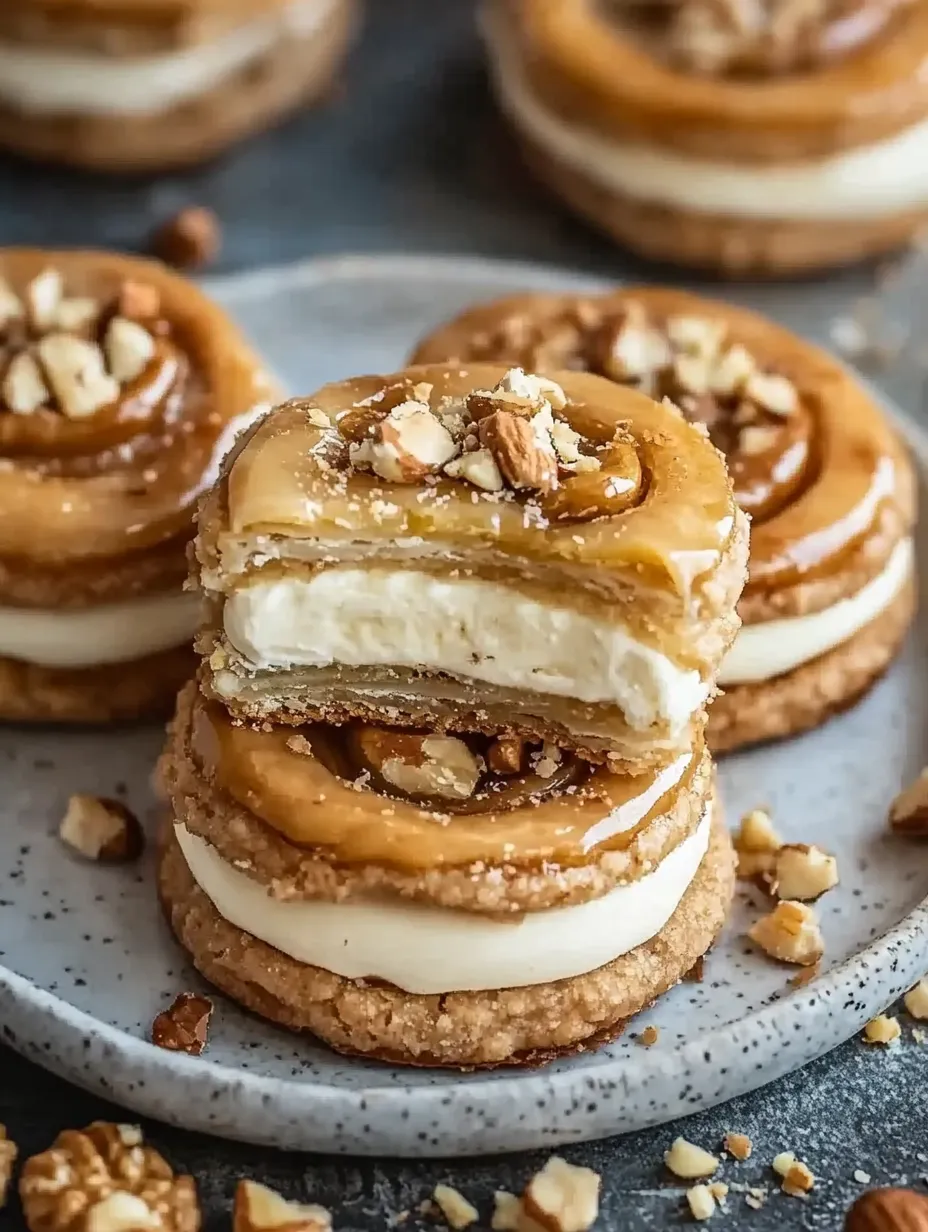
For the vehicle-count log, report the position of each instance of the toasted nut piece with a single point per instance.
(566, 442)
(458, 1212)
(129, 349)
(74, 315)
(755, 439)
(701, 1202)
(138, 301)
(406, 445)
(420, 765)
(99, 828)
(773, 392)
(697, 335)
(104, 1179)
(757, 833)
(739, 1146)
(888, 1210)
(731, 371)
(689, 1161)
(506, 755)
(756, 866)
(546, 761)
(908, 813)
(532, 387)
(24, 388)
(43, 295)
(691, 373)
(257, 1208)
(719, 1190)
(507, 1212)
(798, 1180)
(882, 1030)
(189, 240)
(74, 369)
(8, 1153)
(477, 467)
(648, 1037)
(790, 933)
(782, 1163)
(635, 351)
(184, 1026)
(562, 1197)
(804, 872)
(11, 306)
(516, 450)
(916, 999)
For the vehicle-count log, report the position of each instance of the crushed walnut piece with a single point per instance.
(803, 872)
(689, 1161)
(916, 1000)
(184, 1025)
(908, 813)
(790, 933)
(738, 1146)
(418, 765)
(756, 845)
(882, 1030)
(458, 1212)
(102, 829)
(506, 755)
(257, 1208)
(104, 1179)
(8, 1153)
(797, 1179)
(563, 1197)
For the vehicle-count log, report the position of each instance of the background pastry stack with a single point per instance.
(440, 792)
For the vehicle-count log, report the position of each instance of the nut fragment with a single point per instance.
(74, 369)
(8, 1153)
(11, 306)
(477, 467)
(507, 1212)
(739, 1146)
(458, 1212)
(43, 295)
(406, 445)
(515, 448)
(689, 1161)
(790, 933)
(916, 999)
(756, 844)
(129, 348)
(648, 1037)
(104, 1179)
(563, 1197)
(882, 1030)
(755, 439)
(506, 755)
(190, 239)
(138, 301)
(773, 392)
(74, 315)
(804, 872)
(701, 1202)
(798, 1180)
(532, 387)
(420, 765)
(24, 388)
(184, 1026)
(908, 813)
(257, 1208)
(888, 1210)
(103, 829)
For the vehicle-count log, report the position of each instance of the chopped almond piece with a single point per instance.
(458, 1212)
(259, 1209)
(477, 467)
(916, 999)
(790, 933)
(783, 1162)
(719, 1190)
(688, 1161)
(701, 1202)
(882, 1030)
(798, 1180)
(507, 1212)
(757, 833)
(774, 393)
(739, 1146)
(804, 873)
(11, 306)
(24, 388)
(129, 348)
(563, 1197)
(43, 295)
(75, 371)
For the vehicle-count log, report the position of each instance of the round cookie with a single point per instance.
(521, 1026)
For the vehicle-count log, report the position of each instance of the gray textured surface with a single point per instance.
(409, 158)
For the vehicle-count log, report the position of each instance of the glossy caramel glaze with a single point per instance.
(588, 69)
(288, 484)
(832, 467)
(125, 479)
(309, 787)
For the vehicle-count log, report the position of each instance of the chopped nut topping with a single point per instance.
(916, 999)
(43, 295)
(790, 933)
(479, 468)
(688, 1161)
(76, 373)
(99, 828)
(24, 388)
(8, 1153)
(756, 845)
(648, 1037)
(440, 766)
(563, 1197)
(257, 1208)
(458, 1212)
(106, 1178)
(719, 1191)
(804, 873)
(189, 240)
(797, 1179)
(739, 1146)
(508, 1214)
(515, 447)
(701, 1202)
(11, 306)
(406, 445)
(755, 439)
(184, 1026)
(75, 315)
(138, 301)
(506, 755)
(908, 813)
(882, 1030)
(129, 348)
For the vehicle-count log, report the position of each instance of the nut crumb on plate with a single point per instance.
(882, 1030)
(916, 999)
(789, 933)
(563, 1197)
(647, 1037)
(756, 844)
(908, 813)
(100, 828)
(701, 1202)
(803, 872)
(458, 1212)
(739, 1146)
(184, 1026)
(861, 1177)
(689, 1161)
(256, 1208)
(798, 1180)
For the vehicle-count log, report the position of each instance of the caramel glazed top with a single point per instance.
(121, 387)
(816, 465)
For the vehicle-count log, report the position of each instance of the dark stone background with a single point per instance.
(407, 156)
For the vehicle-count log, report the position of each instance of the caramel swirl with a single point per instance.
(310, 789)
(108, 480)
(814, 467)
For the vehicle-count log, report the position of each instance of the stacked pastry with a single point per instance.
(441, 793)
(121, 386)
(823, 475)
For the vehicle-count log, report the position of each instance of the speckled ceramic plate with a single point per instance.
(86, 962)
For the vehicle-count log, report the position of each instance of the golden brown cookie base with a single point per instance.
(514, 1026)
(294, 72)
(804, 698)
(727, 245)
(143, 689)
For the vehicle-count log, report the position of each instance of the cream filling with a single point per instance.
(769, 649)
(886, 177)
(466, 627)
(48, 81)
(95, 636)
(430, 950)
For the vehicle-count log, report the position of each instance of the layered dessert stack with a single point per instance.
(440, 791)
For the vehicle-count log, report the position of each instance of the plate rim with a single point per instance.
(314, 1106)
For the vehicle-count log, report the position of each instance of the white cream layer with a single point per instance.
(471, 628)
(50, 81)
(95, 636)
(769, 649)
(868, 182)
(430, 950)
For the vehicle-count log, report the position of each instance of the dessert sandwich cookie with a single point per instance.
(822, 474)
(428, 899)
(121, 387)
(768, 137)
(472, 549)
(138, 85)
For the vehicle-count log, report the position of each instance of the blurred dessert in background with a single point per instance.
(123, 85)
(744, 136)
